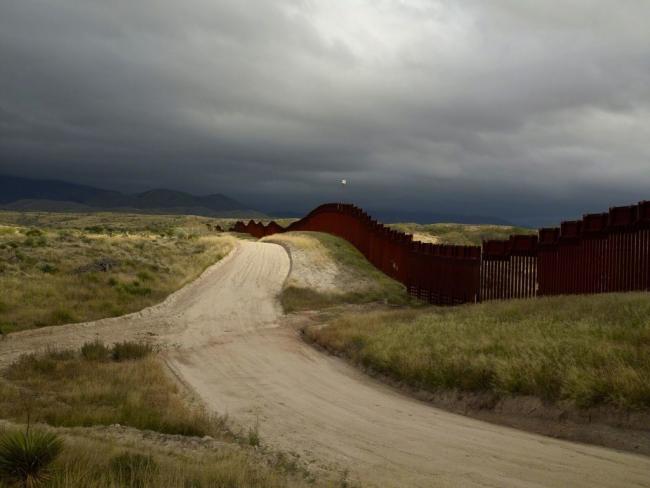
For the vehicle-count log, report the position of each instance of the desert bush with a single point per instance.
(48, 268)
(94, 229)
(61, 316)
(253, 435)
(128, 351)
(58, 354)
(64, 235)
(35, 242)
(26, 457)
(135, 288)
(144, 276)
(95, 351)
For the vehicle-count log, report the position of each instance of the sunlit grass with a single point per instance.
(587, 350)
(57, 276)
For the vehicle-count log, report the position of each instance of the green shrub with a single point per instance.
(94, 229)
(35, 242)
(127, 351)
(48, 268)
(60, 354)
(61, 316)
(144, 276)
(44, 363)
(135, 288)
(64, 235)
(26, 457)
(253, 437)
(95, 351)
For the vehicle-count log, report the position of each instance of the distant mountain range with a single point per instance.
(25, 194)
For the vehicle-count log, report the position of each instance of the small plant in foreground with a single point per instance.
(95, 351)
(26, 457)
(253, 437)
(126, 351)
(48, 268)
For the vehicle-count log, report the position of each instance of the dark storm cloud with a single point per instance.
(521, 109)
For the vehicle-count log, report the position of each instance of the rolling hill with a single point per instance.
(26, 194)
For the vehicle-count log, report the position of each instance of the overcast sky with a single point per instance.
(527, 110)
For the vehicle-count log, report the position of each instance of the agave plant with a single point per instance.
(26, 457)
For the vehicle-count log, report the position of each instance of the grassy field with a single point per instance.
(328, 271)
(459, 234)
(66, 388)
(115, 223)
(62, 268)
(111, 222)
(92, 463)
(584, 350)
(128, 385)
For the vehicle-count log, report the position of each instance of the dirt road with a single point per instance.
(228, 344)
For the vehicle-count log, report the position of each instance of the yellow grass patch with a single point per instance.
(57, 276)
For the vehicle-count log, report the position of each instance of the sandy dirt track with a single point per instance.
(228, 342)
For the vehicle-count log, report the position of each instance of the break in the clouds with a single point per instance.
(522, 109)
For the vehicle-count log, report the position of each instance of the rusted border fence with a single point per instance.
(599, 253)
(509, 268)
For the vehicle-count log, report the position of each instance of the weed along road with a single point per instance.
(228, 343)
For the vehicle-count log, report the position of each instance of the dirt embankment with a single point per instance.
(314, 267)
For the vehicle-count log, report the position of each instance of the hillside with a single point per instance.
(25, 194)
(459, 234)
(327, 271)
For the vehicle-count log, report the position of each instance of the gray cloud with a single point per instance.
(526, 110)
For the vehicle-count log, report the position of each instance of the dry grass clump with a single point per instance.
(328, 271)
(101, 386)
(586, 350)
(91, 462)
(51, 277)
(459, 234)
